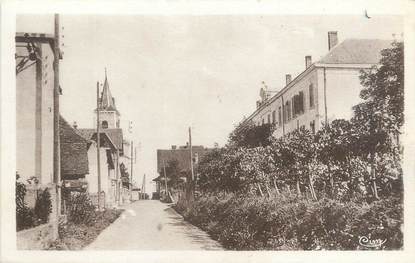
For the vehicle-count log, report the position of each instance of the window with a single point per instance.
(269, 119)
(311, 95)
(313, 126)
(279, 116)
(288, 111)
(273, 117)
(104, 124)
(298, 104)
(263, 121)
(301, 102)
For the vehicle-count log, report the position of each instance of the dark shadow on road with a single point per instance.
(197, 235)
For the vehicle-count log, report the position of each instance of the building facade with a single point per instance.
(111, 150)
(35, 107)
(326, 90)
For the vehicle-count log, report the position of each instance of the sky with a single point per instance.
(168, 73)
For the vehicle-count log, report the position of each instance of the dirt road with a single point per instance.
(152, 225)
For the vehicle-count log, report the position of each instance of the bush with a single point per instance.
(24, 215)
(43, 206)
(289, 222)
(80, 208)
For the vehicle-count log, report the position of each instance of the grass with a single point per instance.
(78, 236)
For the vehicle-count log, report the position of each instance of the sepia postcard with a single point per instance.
(178, 131)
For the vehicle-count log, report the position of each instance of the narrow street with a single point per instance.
(152, 225)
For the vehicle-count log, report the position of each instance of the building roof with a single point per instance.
(351, 51)
(115, 136)
(74, 151)
(182, 155)
(356, 51)
(107, 100)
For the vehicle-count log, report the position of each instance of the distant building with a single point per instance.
(182, 156)
(327, 89)
(111, 149)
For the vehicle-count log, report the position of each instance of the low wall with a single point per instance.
(36, 238)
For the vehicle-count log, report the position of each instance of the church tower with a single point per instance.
(108, 114)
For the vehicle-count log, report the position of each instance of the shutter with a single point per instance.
(301, 102)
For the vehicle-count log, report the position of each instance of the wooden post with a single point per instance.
(191, 153)
(98, 149)
(130, 186)
(56, 140)
(117, 176)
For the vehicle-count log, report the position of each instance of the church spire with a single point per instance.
(107, 101)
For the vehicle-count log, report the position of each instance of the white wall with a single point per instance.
(92, 177)
(342, 91)
(309, 114)
(26, 118)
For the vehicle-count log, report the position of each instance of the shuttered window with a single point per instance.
(273, 117)
(311, 95)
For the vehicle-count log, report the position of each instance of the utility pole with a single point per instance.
(98, 149)
(191, 153)
(143, 187)
(131, 162)
(56, 139)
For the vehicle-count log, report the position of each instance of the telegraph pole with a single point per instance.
(131, 162)
(98, 149)
(143, 187)
(56, 139)
(191, 153)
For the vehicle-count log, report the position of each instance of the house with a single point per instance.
(111, 149)
(182, 156)
(35, 106)
(326, 90)
(74, 156)
(37, 133)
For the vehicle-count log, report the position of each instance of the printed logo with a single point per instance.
(367, 242)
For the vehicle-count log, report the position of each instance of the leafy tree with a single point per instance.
(247, 134)
(173, 173)
(379, 118)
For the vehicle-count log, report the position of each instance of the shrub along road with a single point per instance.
(152, 225)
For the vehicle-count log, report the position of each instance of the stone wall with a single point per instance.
(41, 236)
(36, 238)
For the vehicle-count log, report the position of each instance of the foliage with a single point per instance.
(247, 134)
(75, 236)
(173, 173)
(24, 215)
(289, 222)
(80, 208)
(343, 175)
(43, 206)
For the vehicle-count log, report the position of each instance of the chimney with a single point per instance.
(307, 61)
(287, 79)
(258, 104)
(332, 36)
(75, 125)
(173, 147)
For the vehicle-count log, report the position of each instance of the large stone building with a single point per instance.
(327, 89)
